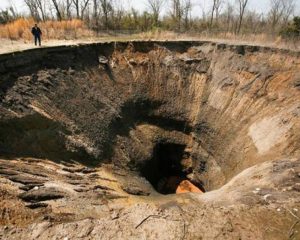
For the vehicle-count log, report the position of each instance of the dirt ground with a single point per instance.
(7, 45)
(92, 138)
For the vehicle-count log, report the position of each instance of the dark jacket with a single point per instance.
(36, 31)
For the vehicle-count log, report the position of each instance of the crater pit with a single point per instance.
(155, 115)
(148, 106)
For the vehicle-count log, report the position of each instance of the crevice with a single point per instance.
(168, 168)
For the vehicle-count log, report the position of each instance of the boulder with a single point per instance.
(186, 186)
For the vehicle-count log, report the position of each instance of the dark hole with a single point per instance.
(165, 170)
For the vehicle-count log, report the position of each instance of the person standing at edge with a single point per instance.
(36, 32)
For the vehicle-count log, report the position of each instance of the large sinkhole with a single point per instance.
(166, 111)
(168, 167)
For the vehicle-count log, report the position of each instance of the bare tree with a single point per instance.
(57, 9)
(33, 8)
(288, 10)
(41, 5)
(118, 12)
(135, 15)
(242, 7)
(252, 21)
(229, 16)
(155, 7)
(84, 5)
(223, 15)
(65, 8)
(218, 7)
(9, 14)
(280, 11)
(187, 10)
(107, 9)
(95, 9)
(68, 9)
(80, 7)
(212, 13)
(77, 7)
(95, 15)
(275, 13)
(177, 12)
(215, 11)
(203, 9)
(13, 9)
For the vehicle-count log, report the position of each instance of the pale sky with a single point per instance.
(260, 6)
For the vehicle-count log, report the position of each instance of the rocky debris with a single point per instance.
(8, 172)
(34, 172)
(80, 190)
(169, 60)
(168, 185)
(85, 170)
(103, 60)
(132, 61)
(114, 196)
(94, 176)
(74, 177)
(28, 187)
(186, 187)
(76, 182)
(42, 194)
(106, 179)
(133, 184)
(296, 187)
(102, 188)
(37, 205)
(26, 179)
(203, 66)
(136, 190)
(71, 170)
(189, 60)
(106, 192)
(297, 83)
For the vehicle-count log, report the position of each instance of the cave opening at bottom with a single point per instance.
(166, 169)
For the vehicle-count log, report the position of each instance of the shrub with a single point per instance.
(292, 30)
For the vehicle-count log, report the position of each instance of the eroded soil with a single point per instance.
(95, 139)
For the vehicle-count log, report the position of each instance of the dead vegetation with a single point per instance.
(262, 39)
(75, 31)
(20, 29)
(227, 21)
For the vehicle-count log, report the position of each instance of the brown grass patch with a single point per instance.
(20, 30)
(226, 37)
(62, 30)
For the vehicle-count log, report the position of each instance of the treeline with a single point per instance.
(232, 16)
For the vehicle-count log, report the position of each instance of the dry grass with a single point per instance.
(75, 31)
(251, 39)
(63, 30)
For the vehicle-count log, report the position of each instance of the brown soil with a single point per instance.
(95, 139)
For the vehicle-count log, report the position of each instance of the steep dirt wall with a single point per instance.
(231, 107)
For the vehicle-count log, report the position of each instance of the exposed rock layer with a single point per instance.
(202, 111)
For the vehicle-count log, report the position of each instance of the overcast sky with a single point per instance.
(261, 6)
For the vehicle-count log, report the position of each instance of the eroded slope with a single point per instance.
(152, 111)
